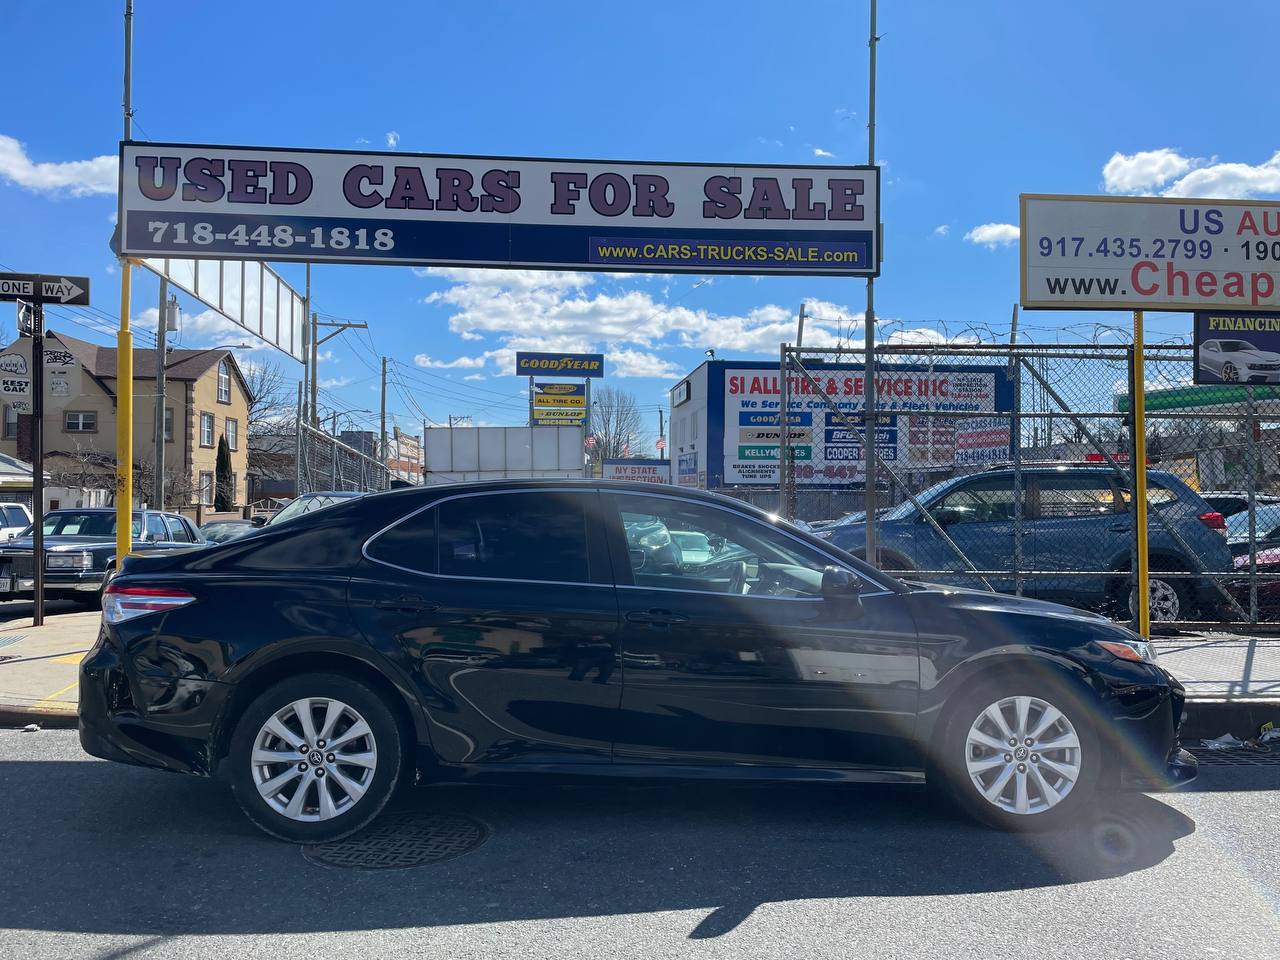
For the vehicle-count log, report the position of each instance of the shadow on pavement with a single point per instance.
(96, 847)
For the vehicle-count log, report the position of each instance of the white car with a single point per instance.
(1239, 361)
(14, 518)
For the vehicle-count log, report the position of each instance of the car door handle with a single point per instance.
(408, 605)
(660, 617)
(1120, 527)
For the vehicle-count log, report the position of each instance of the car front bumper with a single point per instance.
(88, 581)
(1146, 742)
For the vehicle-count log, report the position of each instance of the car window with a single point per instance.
(1266, 519)
(675, 544)
(410, 544)
(1158, 496)
(1075, 496)
(85, 524)
(521, 536)
(981, 501)
(14, 517)
(177, 530)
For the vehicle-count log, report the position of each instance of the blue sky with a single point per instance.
(978, 102)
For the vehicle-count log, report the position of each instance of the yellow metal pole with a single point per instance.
(1138, 406)
(124, 420)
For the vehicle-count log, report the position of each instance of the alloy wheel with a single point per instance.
(1230, 373)
(1023, 755)
(1164, 604)
(313, 759)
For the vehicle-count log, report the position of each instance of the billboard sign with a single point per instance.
(981, 441)
(687, 469)
(1149, 253)
(1237, 347)
(566, 395)
(652, 471)
(916, 431)
(190, 200)
(559, 364)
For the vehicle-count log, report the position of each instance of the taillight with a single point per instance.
(1214, 521)
(121, 602)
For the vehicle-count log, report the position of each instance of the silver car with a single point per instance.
(1239, 361)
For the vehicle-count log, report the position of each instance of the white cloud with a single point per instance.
(423, 360)
(393, 139)
(992, 235)
(325, 356)
(1229, 181)
(475, 376)
(334, 382)
(361, 140)
(111, 269)
(819, 152)
(1141, 171)
(76, 178)
(941, 230)
(637, 363)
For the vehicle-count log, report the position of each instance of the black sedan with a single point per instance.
(80, 549)
(589, 628)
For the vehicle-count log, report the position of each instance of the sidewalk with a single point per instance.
(39, 666)
(1232, 681)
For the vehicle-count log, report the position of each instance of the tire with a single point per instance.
(1033, 789)
(356, 792)
(1230, 373)
(1170, 598)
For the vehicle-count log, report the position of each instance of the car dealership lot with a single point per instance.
(108, 860)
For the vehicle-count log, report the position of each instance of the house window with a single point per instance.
(206, 487)
(206, 429)
(80, 421)
(224, 382)
(168, 424)
(233, 490)
(233, 434)
(10, 422)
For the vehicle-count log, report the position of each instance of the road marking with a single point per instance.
(73, 658)
(51, 698)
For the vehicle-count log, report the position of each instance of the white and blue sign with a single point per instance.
(769, 418)
(202, 201)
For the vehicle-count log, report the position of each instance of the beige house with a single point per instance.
(206, 398)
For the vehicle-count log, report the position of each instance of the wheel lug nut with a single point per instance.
(1013, 742)
(320, 744)
(302, 767)
(1035, 758)
(1008, 758)
(303, 749)
(1022, 768)
(329, 758)
(1028, 741)
(319, 772)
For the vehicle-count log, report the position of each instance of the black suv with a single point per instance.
(580, 627)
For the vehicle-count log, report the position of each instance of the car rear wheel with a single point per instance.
(1230, 373)
(1021, 754)
(315, 758)
(1168, 599)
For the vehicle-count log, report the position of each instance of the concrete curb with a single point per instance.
(1207, 719)
(19, 715)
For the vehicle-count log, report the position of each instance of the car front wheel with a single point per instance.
(315, 758)
(1021, 755)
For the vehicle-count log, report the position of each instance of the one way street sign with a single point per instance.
(72, 291)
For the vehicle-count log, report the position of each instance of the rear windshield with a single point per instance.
(74, 523)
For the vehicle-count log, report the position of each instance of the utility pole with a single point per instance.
(168, 310)
(308, 336)
(37, 454)
(662, 433)
(382, 416)
(314, 414)
(869, 367)
(124, 349)
(800, 327)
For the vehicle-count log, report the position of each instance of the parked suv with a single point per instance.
(1075, 518)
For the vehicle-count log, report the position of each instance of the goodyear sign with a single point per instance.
(560, 395)
(560, 364)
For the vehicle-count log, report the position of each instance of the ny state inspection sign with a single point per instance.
(1149, 253)
(183, 200)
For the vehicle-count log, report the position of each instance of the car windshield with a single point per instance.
(308, 503)
(1268, 518)
(1235, 346)
(82, 523)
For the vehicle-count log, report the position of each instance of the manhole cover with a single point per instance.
(1237, 758)
(401, 840)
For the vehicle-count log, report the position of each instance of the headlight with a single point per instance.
(1136, 649)
(68, 561)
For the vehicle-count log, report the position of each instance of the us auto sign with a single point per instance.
(185, 200)
(1149, 253)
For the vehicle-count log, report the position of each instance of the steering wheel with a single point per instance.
(738, 577)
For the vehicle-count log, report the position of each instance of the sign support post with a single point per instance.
(37, 460)
(869, 328)
(124, 346)
(1138, 409)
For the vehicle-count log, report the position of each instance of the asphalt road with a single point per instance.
(100, 860)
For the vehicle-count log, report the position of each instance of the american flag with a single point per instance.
(591, 441)
(661, 444)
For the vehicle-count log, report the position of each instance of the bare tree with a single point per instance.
(617, 425)
(271, 426)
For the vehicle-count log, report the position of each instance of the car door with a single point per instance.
(977, 515)
(1077, 522)
(731, 656)
(501, 605)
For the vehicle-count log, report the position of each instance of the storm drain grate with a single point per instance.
(1236, 758)
(400, 840)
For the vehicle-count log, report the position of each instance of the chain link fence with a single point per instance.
(1009, 468)
(326, 463)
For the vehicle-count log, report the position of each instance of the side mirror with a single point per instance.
(148, 537)
(841, 586)
(258, 521)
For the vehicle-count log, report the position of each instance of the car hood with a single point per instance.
(1255, 356)
(963, 598)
